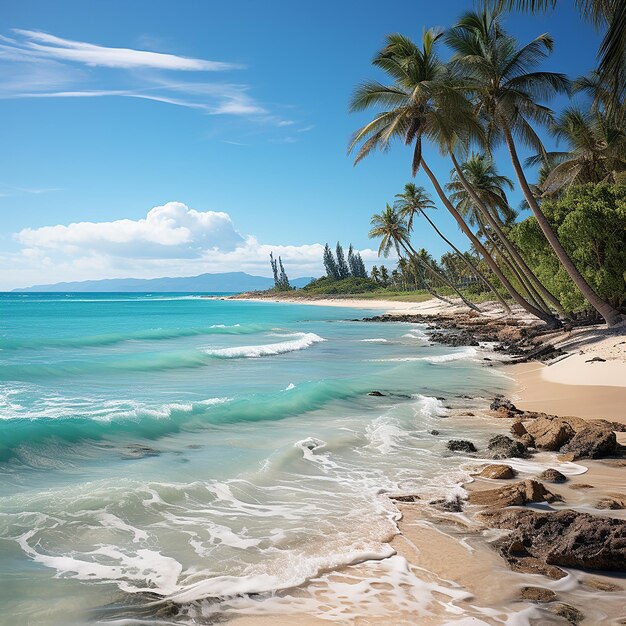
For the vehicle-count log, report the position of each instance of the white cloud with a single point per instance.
(172, 240)
(126, 58)
(39, 65)
(172, 230)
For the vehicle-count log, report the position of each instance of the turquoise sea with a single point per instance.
(173, 459)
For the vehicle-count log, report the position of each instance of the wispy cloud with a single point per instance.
(10, 190)
(34, 64)
(127, 58)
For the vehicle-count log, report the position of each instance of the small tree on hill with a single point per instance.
(283, 281)
(330, 264)
(342, 266)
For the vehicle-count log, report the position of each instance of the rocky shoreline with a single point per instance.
(544, 540)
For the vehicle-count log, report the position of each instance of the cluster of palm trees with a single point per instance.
(489, 93)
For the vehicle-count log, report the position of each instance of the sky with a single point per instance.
(159, 138)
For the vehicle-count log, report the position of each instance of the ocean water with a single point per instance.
(171, 459)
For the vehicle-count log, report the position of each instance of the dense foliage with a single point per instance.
(590, 221)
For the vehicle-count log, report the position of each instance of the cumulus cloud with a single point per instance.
(172, 230)
(171, 240)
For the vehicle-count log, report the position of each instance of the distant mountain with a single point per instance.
(232, 282)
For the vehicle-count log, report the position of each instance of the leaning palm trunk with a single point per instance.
(419, 264)
(533, 297)
(472, 267)
(411, 251)
(542, 315)
(610, 314)
(512, 250)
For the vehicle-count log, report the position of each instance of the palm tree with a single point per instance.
(597, 150)
(422, 103)
(393, 233)
(612, 52)
(416, 201)
(479, 192)
(505, 91)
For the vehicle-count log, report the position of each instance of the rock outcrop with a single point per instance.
(518, 494)
(592, 442)
(549, 433)
(498, 472)
(552, 476)
(563, 538)
(461, 445)
(503, 447)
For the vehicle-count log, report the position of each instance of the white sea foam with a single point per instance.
(303, 341)
(374, 340)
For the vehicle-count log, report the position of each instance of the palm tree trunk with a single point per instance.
(409, 248)
(542, 315)
(428, 288)
(533, 297)
(610, 314)
(472, 267)
(517, 257)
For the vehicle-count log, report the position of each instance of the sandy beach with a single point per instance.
(587, 380)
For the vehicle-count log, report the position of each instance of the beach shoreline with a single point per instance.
(452, 546)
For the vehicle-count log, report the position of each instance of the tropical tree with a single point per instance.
(597, 151)
(393, 233)
(480, 194)
(500, 77)
(342, 266)
(414, 201)
(424, 102)
(375, 273)
(602, 13)
(332, 271)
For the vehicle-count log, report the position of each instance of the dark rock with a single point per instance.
(455, 339)
(461, 445)
(518, 429)
(527, 440)
(552, 476)
(434, 432)
(592, 442)
(409, 498)
(138, 452)
(498, 472)
(613, 503)
(504, 407)
(517, 494)
(596, 359)
(503, 447)
(569, 612)
(537, 594)
(549, 433)
(454, 504)
(377, 394)
(563, 538)
(582, 486)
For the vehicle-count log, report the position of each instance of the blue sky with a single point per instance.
(239, 122)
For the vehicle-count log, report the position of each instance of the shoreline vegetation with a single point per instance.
(546, 504)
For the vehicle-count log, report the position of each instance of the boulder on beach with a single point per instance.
(562, 538)
(549, 433)
(504, 407)
(552, 476)
(537, 594)
(518, 494)
(498, 472)
(592, 442)
(503, 447)
(461, 445)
